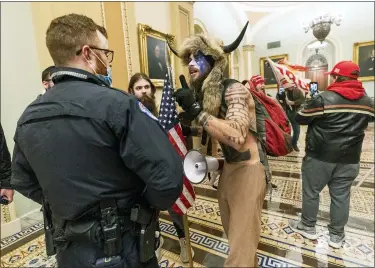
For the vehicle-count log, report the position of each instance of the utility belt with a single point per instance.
(107, 232)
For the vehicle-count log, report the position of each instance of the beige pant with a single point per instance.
(242, 188)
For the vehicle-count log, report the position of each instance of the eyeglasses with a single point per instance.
(108, 53)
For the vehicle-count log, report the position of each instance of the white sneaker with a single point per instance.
(158, 250)
(184, 256)
(307, 232)
(336, 241)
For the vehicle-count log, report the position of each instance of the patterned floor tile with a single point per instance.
(358, 249)
(279, 245)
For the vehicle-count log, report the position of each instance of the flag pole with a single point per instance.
(187, 237)
(185, 216)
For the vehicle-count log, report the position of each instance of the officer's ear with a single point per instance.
(87, 52)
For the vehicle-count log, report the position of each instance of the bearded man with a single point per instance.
(141, 86)
(226, 110)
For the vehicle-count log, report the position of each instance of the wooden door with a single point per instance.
(317, 65)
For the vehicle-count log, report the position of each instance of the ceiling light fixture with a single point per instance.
(321, 25)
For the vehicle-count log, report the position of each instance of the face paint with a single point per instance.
(203, 65)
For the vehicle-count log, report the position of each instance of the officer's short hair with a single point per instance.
(67, 34)
(47, 72)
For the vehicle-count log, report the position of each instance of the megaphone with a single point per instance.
(197, 166)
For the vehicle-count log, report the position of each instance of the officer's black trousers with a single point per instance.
(82, 255)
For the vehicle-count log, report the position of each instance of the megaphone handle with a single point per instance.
(204, 137)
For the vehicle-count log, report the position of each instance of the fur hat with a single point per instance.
(212, 86)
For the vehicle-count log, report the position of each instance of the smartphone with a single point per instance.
(314, 89)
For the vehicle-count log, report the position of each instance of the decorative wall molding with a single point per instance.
(248, 48)
(5, 214)
(125, 27)
(183, 11)
(103, 15)
(317, 57)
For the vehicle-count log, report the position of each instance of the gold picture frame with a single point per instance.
(362, 56)
(146, 35)
(267, 74)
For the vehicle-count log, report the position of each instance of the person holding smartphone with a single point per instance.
(294, 98)
(314, 89)
(281, 97)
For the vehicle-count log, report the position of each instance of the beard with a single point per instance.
(150, 103)
(197, 84)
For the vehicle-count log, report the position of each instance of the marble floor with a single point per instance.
(279, 245)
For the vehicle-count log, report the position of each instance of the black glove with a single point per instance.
(186, 130)
(185, 98)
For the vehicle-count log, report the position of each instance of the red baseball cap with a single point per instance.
(345, 68)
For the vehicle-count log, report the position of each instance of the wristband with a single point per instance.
(202, 118)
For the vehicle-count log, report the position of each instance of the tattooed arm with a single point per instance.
(234, 129)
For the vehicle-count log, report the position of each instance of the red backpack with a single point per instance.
(273, 126)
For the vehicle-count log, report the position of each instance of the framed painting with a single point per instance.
(270, 80)
(363, 55)
(154, 53)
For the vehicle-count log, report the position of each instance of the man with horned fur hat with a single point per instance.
(226, 110)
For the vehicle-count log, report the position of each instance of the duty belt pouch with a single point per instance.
(147, 219)
(85, 231)
(111, 229)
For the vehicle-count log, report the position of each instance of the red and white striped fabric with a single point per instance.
(169, 120)
(286, 78)
(292, 67)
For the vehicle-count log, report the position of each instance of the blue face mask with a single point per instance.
(107, 79)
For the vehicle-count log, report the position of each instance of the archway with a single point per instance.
(198, 29)
(317, 64)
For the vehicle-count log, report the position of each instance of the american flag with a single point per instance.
(169, 120)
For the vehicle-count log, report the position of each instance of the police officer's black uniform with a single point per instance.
(81, 143)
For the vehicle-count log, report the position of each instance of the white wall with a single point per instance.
(20, 76)
(357, 26)
(224, 23)
(218, 20)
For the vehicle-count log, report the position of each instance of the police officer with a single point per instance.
(85, 150)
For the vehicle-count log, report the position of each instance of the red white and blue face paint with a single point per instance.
(198, 66)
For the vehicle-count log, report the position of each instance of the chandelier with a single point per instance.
(321, 26)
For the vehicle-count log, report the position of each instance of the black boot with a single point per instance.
(295, 147)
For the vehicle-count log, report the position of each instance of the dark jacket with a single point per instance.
(82, 142)
(281, 98)
(336, 126)
(5, 163)
(297, 96)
